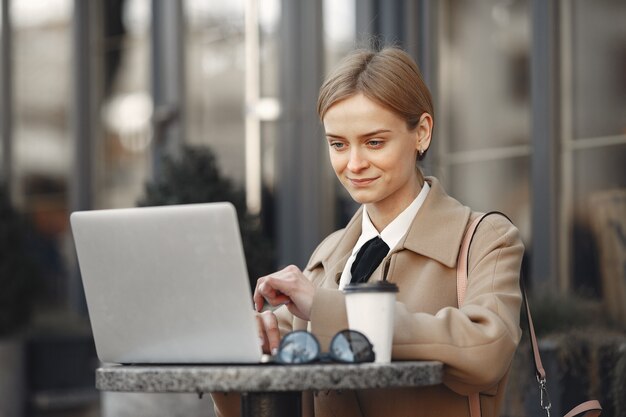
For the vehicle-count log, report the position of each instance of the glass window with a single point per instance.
(599, 68)
(484, 74)
(269, 110)
(500, 184)
(482, 125)
(3, 97)
(339, 30)
(42, 141)
(599, 190)
(215, 81)
(340, 37)
(594, 143)
(123, 145)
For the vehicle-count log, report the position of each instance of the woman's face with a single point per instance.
(373, 153)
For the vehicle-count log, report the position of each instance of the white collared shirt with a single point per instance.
(391, 235)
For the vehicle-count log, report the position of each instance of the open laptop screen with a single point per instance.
(167, 284)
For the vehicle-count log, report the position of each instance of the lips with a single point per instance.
(362, 182)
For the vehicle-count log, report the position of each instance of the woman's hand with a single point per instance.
(287, 286)
(269, 334)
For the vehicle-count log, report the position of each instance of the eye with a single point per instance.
(337, 145)
(375, 143)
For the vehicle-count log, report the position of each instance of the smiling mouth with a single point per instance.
(362, 182)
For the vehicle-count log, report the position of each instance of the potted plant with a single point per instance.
(17, 286)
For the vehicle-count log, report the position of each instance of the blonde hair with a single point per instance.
(389, 77)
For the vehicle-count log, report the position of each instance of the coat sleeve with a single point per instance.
(476, 342)
(287, 321)
(229, 404)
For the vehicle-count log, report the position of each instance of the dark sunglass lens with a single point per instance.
(351, 346)
(298, 347)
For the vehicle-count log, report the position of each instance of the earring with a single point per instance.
(421, 151)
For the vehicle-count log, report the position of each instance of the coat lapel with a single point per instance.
(438, 227)
(436, 233)
(334, 254)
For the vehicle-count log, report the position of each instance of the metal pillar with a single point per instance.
(84, 107)
(305, 206)
(6, 95)
(382, 21)
(253, 95)
(421, 28)
(167, 66)
(84, 121)
(392, 21)
(420, 20)
(545, 157)
(366, 22)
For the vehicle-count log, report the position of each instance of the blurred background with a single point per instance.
(116, 103)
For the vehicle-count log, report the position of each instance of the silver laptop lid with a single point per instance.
(167, 284)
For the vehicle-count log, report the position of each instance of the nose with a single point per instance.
(357, 162)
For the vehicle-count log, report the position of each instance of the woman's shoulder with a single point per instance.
(328, 247)
(325, 248)
(495, 227)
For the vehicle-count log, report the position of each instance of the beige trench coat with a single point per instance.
(476, 342)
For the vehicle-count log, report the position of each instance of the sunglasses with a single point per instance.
(347, 346)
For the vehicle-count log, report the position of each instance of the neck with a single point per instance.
(383, 213)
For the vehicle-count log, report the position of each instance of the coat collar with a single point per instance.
(436, 232)
(334, 252)
(438, 227)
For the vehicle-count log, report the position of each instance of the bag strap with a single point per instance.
(590, 408)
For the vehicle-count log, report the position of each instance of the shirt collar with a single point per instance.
(441, 223)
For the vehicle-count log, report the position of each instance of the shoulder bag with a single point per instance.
(589, 408)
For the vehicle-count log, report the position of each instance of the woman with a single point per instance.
(378, 118)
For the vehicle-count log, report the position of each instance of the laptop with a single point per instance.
(167, 284)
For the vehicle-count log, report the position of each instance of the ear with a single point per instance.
(424, 130)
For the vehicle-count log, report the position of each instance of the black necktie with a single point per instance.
(367, 260)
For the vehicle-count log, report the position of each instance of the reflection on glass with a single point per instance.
(597, 173)
(268, 109)
(340, 37)
(215, 80)
(484, 79)
(484, 103)
(2, 98)
(123, 156)
(598, 39)
(42, 148)
(501, 185)
(339, 30)
(269, 26)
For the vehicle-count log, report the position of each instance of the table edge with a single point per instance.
(261, 378)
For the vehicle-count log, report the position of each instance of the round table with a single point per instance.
(268, 390)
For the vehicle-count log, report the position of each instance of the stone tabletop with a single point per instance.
(266, 378)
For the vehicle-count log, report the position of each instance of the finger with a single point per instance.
(273, 295)
(276, 286)
(272, 333)
(262, 337)
(258, 297)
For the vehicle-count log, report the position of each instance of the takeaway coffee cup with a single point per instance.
(370, 309)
